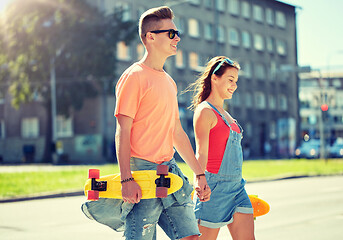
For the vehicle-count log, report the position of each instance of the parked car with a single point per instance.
(309, 149)
(336, 150)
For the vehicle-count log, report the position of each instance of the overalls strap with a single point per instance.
(221, 115)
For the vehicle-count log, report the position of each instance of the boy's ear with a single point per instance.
(149, 36)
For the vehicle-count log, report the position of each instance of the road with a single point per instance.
(303, 208)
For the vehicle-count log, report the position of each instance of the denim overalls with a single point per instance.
(228, 194)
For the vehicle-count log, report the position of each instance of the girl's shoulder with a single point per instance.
(204, 112)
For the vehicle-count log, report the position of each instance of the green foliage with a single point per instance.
(76, 37)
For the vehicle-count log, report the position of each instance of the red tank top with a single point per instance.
(219, 135)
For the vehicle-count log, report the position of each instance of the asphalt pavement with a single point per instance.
(301, 208)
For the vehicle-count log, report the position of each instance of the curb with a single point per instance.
(43, 196)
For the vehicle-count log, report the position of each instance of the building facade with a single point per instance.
(259, 34)
(316, 91)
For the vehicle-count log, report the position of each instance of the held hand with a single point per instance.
(131, 192)
(202, 189)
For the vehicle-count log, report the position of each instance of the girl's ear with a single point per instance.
(214, 78)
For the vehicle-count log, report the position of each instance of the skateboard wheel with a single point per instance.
(161, 192)
(93, 173)
(162, 170)
(92, 195)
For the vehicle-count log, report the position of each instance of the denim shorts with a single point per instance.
(227, 198)
(174, 214)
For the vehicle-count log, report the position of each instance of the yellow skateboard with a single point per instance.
(154, 184)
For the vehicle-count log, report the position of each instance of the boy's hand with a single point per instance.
(202, 189)
(131, 192)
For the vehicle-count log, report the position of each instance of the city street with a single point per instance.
(302, 208)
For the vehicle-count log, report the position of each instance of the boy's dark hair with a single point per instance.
(149, 20)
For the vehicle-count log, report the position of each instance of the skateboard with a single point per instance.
(154, 184)
(260, 206)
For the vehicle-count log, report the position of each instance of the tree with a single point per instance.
(68, 36)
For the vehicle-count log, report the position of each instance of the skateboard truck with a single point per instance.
(99, 186)
(162, 183)
(96, 186)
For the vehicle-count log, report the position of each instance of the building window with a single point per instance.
(260, 100)
(126, 10)
(246, 69)
(248, 131)
(220, 34)
(272, 132)
(258, 42)
(281, 47)
(30, 128)
(180, 23)
(208, 4)
(2, 98)
(193, 28)
(258, 13)
(233, 37)
(194, 61)
(194, 2)
(260, 72)
(208, 31)
(283, 102)
(246, 10)
(236, 99)
(2, 129)
(280, 19)
(220, 5)
(140, 51)
(272, 70)
(270, 44)
(179, 59)
(123, 51)
(64, 126)
(246, 39)
(339, 99)
(233, 7)
(248, 99)
(269, 16)
(272, 102)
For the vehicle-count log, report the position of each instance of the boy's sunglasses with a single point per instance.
(171, 32)
(228, 61)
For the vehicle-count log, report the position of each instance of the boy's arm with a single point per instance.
(131, 192)
(184, 148)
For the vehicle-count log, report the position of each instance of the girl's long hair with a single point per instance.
(201, 88)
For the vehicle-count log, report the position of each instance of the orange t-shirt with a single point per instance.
(149, 97)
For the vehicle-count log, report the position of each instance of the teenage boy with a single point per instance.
(148, 130)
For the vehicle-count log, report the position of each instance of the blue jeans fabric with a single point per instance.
(228, 194)
(173, 214)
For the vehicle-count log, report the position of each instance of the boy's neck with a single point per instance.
(153, 61)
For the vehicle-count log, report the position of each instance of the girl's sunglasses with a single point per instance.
(171, 32)
(228, 61)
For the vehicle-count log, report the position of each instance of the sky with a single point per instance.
(319, 33)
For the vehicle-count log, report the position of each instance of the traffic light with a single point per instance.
(324, 107)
